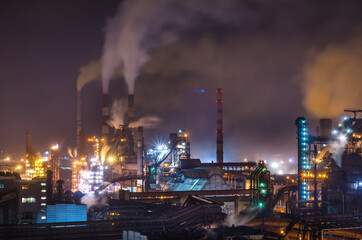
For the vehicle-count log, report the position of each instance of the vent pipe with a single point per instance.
(105, 117)
(219, 131)
(131, 109)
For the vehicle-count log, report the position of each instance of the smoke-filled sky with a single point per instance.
(275, 60)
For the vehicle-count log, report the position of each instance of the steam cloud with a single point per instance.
(333, 79)
(92, 72)
(88, 73)
(139, 26)
(239, 220)
(93, 201)
(147, 122)
(118, 112)
(72, 152)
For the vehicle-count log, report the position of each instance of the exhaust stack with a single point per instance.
(28, 143)
(131, 109)
(79, 120)
(140, 151)
(219, 131)
(105, 117)
(81, 143)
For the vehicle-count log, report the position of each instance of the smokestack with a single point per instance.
(219, 131)
(325, 127)
(105, 117)
(140, 151)
(81, 143)
(79, 122)
(131, 110)
(28, 143)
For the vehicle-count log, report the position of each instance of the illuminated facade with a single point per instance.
(78, 169)
(304, 166)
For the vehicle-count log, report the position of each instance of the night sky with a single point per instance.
(264, 54)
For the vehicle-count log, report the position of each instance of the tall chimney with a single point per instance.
(79, 122)
(105, 117)
(28, 143)
(140, 151)
(131, 109)
(325, 127)
(81, 143)
(219, 131)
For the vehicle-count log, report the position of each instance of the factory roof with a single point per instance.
(202, 172)
(190, 184)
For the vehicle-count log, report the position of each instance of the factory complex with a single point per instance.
(116, 186)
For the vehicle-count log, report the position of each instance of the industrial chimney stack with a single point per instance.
(105, 117)
(28, 143)
(219, 131)
(79, 120)
(131, 109)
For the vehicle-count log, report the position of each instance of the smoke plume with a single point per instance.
(147, 122)
(93, 201)
(88, 73)
(239, 220)
(139, 26)
(119, 108)
(333, 79)
(92, 72)
(72, 152)
(118, 111)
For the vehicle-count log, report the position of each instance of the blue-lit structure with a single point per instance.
(66, 213)
(304, 166)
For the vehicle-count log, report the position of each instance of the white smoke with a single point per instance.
(337, 148)
(92, 72)
(118, 111)
(147, 122)
(93, 201)
(240, 220)
(72, 152)
(139, 26)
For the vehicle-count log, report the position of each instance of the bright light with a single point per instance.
(349, 130)
(342, 138)
(290, 160)
(111, 159)
(280, 172)
(335, 132)
(274, 165)
(159, 147)
(55, 147)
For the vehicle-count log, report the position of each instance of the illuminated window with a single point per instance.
(43, 217)
(43, 204)
(43, 190)
(28, 200)
(25, 187)
(43, 184)
(43, 198)
(2, 186)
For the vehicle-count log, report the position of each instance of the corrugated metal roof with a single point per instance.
(189, 184)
